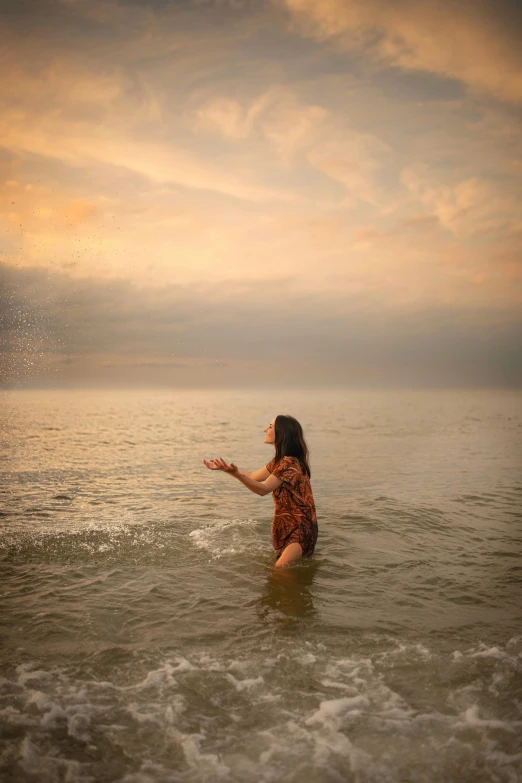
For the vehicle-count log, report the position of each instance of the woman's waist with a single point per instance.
(305, 514)
(290, 501)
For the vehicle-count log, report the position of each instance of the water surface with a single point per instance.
(147, 638)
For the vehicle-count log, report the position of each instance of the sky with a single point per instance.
(255, 193)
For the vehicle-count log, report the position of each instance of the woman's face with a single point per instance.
(270, 432)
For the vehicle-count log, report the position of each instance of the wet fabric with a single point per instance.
(295, 517)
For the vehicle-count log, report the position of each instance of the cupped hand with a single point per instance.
(220, 464)
(212, 464)
(228, 468)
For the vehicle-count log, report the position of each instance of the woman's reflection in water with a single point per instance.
(288, 590)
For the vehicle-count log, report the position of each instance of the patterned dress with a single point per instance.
(295, 519)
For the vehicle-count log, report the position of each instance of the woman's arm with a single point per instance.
(258, 487)
(257, 475)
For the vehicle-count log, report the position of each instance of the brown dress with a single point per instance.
(295, 519)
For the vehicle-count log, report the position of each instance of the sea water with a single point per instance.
(147, 638)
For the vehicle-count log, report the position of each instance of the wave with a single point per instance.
(103, 542)
(293, 709)
(229, 537)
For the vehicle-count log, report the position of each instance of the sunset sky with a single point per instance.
(232, 192)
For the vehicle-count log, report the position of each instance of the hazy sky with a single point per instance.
(237, 191)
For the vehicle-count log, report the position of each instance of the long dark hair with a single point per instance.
(290, 442)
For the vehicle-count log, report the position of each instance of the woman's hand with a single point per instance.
(232, 469)
(220, 464)
(212, 464)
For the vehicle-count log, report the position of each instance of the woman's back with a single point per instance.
(295, 488)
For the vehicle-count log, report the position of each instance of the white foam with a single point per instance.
(149, 772)
(226, 537)
(322, 742)
(208, 765)
(182, 665)
(340, 685)
(29, 756)
(495, 653)
(396, 714)
(504, 758)
(142, 717)
(391, 701)
(247, 684)
(308, 729)
(489, 652)
(53, 716)
(173, 710)
(470, 717)
(330, 712)
(357, 671)
(50, 767)
(27, 674)
(306, 659)
(157, 678)
(41, 700)
(208, 663)
(240, 666)
(79, 721)
(269, 697)
(16, 718)
(410, 651)
(156, 714)
(434, 717)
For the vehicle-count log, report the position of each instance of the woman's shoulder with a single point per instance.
(285, 462)
(294, 462)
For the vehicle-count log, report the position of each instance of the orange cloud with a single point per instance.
(470, 207)
(301, 133)
(79, 210)
(299, 172)
(463, 42)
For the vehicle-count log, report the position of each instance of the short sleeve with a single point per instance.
(270, 465)
(284, 470)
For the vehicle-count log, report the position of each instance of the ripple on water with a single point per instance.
(301, 710)
(95, 543)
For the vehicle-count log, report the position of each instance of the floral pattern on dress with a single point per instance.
(295, 518)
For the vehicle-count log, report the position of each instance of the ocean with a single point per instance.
(146, 637)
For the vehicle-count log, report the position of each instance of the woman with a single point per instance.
(287, 476)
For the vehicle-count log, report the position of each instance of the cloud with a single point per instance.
(79, 210)
(81, 144)
(209, 152)
(227, 117)
(302, 135)
(143, 331)
(95, 105)
(88, 104)
(470, 207)
(472, 43)
(412, 226)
